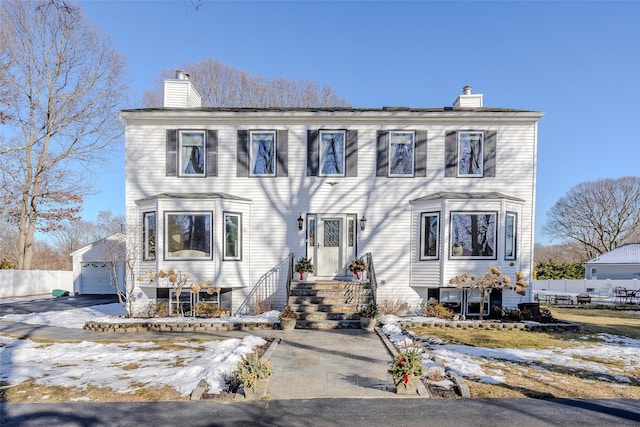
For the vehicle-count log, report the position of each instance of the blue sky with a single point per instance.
(578, 62)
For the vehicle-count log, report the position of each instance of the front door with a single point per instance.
(329, 248)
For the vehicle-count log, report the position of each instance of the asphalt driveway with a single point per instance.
(39, 305)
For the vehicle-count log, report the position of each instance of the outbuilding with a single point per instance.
(622, 263)
(98, 266)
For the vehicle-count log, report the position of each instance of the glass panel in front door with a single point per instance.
(329, 251)
(332, 233)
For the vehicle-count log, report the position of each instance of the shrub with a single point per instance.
(205, 309)
(261, 306)
(394, 306)
(160, 309)
(432, 308)
(251, 369)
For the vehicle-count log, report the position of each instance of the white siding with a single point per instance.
(270, 218)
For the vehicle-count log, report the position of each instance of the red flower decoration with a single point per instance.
(406, 378)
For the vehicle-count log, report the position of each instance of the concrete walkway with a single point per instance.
(330, 363)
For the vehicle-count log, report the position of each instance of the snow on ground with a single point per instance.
(124, 367)
(112, 313)
(185, 364)
(468, 361)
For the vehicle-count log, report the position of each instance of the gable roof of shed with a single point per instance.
(625, 254)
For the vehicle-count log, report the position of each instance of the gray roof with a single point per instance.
(201, 196)
(625, 254)
(467, 196)
(329, 109)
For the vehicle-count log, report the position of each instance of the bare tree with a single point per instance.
(73, 235)
(67, 82)
(224, 86)
(599, 215)
(568, 253)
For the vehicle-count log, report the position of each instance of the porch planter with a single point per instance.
(300, 277)
(368, 323)
(288, 324)
(409, 388)
(256, 391)
(360, 275)
(363, 276)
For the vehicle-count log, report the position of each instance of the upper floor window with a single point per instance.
(401, 153)
(430, 235)
(473, 235)
(470, 154)
(188, 235)
(149, 236)
(332, 153)
(470, 159)
(262, 153)
(192, 153)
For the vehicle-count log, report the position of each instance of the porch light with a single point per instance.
(363, 223)
(300, 222)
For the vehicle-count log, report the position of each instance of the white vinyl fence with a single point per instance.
(602, 288)
(18, 283)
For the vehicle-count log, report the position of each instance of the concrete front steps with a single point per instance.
(329, 304)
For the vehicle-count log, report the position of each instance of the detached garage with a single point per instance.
(95, 265)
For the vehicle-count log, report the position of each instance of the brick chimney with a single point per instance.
(180, 92)
(467, 99)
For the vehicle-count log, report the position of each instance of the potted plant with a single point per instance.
(407, 370)
(368, 315)
(356, 266)
(303, 267)
(287, 318)
(254, 375)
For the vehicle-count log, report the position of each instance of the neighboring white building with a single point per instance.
(99, 265)
(429, 192)
(619, 264)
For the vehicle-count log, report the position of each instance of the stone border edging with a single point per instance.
(533, 326)
(179, 326)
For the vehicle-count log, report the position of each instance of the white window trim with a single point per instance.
(479, 174)
(423, 217)
(225, 256)
(413, 153)
(321, 156)
(145, 236)
(493, 242)
(167, 255)
(252, 158)
(514, 237)
(204, 154)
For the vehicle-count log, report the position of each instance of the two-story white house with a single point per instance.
(227, 193)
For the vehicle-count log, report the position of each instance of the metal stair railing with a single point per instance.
(371, 274)
(269, 290)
